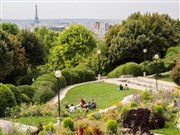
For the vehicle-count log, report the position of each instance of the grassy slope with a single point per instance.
(105, 94)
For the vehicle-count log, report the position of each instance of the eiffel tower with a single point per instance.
(36, 20)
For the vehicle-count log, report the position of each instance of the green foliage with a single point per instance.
(159, 109)
(68, 75)
(49, 127)
(124, 111)
(15, 91)
(43, 93)
(6, 57)
(175, 73)
(81, 74)
(25, 98)
(146, 95)
(154, 32)
(73, 44)
(7, 99)
(11, 28)
(133, 104)
(27, 89)
(112, 126)
(129, 68)
(68, 123)
(171, 56)
(48, 38)
(33, 47)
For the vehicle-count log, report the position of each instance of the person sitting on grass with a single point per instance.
(120, 87)
(82, 103)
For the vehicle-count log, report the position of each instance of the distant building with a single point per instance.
(57, 28)
(101, 26)
(36, 19)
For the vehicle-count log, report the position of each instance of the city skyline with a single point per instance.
(73, 9)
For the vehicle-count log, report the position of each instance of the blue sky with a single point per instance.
(85, 9)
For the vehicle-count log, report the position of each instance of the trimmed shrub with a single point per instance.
(25, 80)
(43, 94)
(68, 75)
(133, 104)
(68, 123)
(81, 74)
(129, 68)
(124, 112)
(112, 126)
(25, 98)
(27, 89)
(7, 99)
(158, 109)
(89, 75)
(15, 91)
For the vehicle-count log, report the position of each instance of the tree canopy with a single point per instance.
(153, 32)
(73, 44)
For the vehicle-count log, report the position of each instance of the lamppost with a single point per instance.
(99, 75)
(156, 57)
(144, 51)
(58, 75)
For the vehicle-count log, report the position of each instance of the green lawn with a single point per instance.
(168, 131)
(105, 94)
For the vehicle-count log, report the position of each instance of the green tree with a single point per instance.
(11, 28)
(154, 32)
(48, 38)
(33, 47)
(73, 44)
(6, 57)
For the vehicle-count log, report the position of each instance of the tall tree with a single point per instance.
(33, 47)
(154, 32)
(48, 38)
(73, 44)
(6, 55)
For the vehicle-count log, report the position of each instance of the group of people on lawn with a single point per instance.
(88, 106)
(123, 88)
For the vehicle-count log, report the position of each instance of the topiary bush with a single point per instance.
(16, 93)
(27, 89)
(43, 94)
(133, 104)
(159, 109)
(68, 123)
(112, 126)
(68, 75)
(7, 99)
(129, 68)
(81, 74)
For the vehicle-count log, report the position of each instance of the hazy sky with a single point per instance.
(85, 9)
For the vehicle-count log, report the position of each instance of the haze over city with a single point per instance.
(73, 9)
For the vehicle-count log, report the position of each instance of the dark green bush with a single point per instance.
(129, 68)
(15, 91)
(68, 123)
(25, 80)
(7, 99)
(68, 75)
(112, 126)
(175, 75)
(89, 75)
(81, 74)
(153, 67)
(75, 77)
(25, 98)
(43, 94)
(27, 89)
